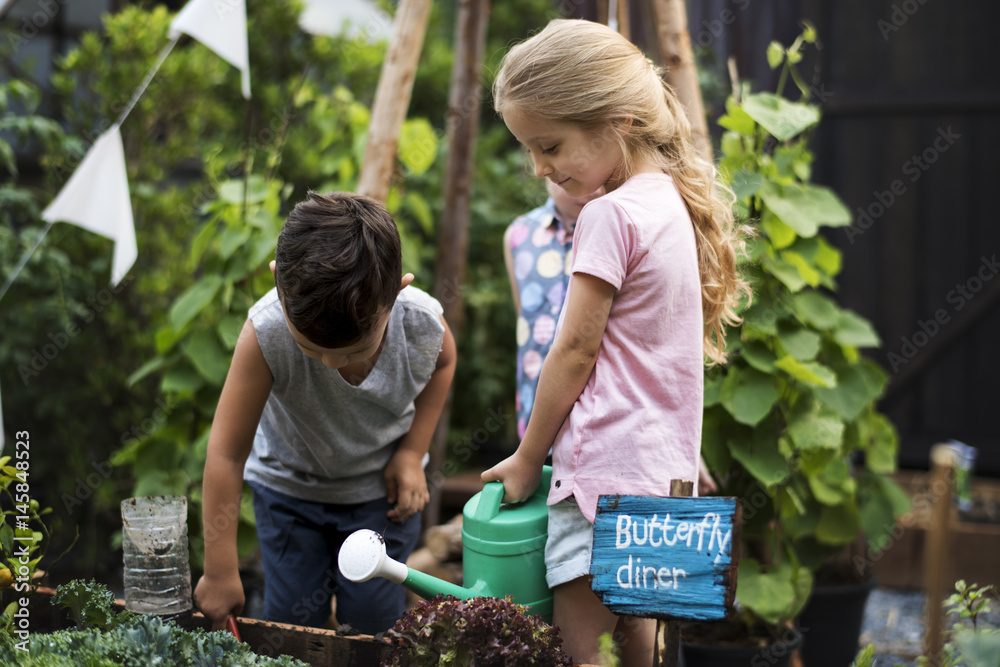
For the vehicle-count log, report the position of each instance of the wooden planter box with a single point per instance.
(973, 546)
(316, 646)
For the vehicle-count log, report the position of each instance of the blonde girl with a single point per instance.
(654, 284)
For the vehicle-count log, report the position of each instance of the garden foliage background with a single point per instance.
(123, 408)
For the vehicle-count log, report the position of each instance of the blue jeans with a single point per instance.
(299, 543)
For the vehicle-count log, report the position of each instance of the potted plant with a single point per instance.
(479, 631)
(790, 418)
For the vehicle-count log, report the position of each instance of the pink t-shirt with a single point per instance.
(637, 424)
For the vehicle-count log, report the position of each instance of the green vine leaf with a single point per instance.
(784, 271)
(736, 119)
(771, 594)
(879, 441)
(857, 386)
(799, 342)
(745, 183)
(775, 54)
(714, 445)
(231, 192)
(809, 275)
(810, 372)
(838, 524)
(417, 145)
(782, 118)
(748, 395)
(193, 301)
(181, 379)
(758, 355)
(805, 208)
(855, 331)
(207, 356)
(833, 485)
(811, 426)
(780, 234)
(816, 310)
(760, 456)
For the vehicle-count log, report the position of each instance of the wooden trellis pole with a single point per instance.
(936, 548)
(453, 239)
(682, 75)
(392, 97)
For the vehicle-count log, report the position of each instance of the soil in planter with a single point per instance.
(728, 633)
(730, 645)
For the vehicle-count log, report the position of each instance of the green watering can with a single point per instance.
(503, 552)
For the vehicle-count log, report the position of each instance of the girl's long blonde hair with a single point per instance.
(585, 73)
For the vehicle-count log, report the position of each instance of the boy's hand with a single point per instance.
(519, 474)
(218, 597)
(406, 485)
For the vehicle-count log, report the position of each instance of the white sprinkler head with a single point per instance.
(362, 556)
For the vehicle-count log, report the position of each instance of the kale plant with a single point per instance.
(89, 604)
(481, 632)
(104, 638)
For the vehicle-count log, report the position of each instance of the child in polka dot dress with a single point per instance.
(538, 250)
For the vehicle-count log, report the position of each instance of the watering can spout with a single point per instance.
(363, 557)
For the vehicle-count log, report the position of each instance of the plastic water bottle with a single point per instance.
(155, 546)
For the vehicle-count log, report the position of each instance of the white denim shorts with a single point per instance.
(569, 545)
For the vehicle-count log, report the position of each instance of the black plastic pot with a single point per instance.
(831, 624)
(777, 654)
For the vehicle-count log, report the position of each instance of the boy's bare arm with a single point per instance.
(406, 484)
(244, 394)
(565, 373)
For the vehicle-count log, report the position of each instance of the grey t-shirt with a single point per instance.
(322, 439)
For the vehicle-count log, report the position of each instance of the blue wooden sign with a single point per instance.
(668, 558)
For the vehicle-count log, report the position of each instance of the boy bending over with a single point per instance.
(336, 385)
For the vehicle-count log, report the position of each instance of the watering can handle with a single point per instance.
(490, 499)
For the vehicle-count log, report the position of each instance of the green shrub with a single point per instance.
(796, 404)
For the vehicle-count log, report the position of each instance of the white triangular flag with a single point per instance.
(221, 25)
(96, 198)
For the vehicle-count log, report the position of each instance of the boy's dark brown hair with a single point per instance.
(338, 267)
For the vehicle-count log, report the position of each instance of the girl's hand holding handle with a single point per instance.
(520, 477)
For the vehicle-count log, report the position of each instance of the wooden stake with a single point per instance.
(682, 75)
(624, 25)
(936, 569)
(453, 240)
(392, 97)
(668, 633)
